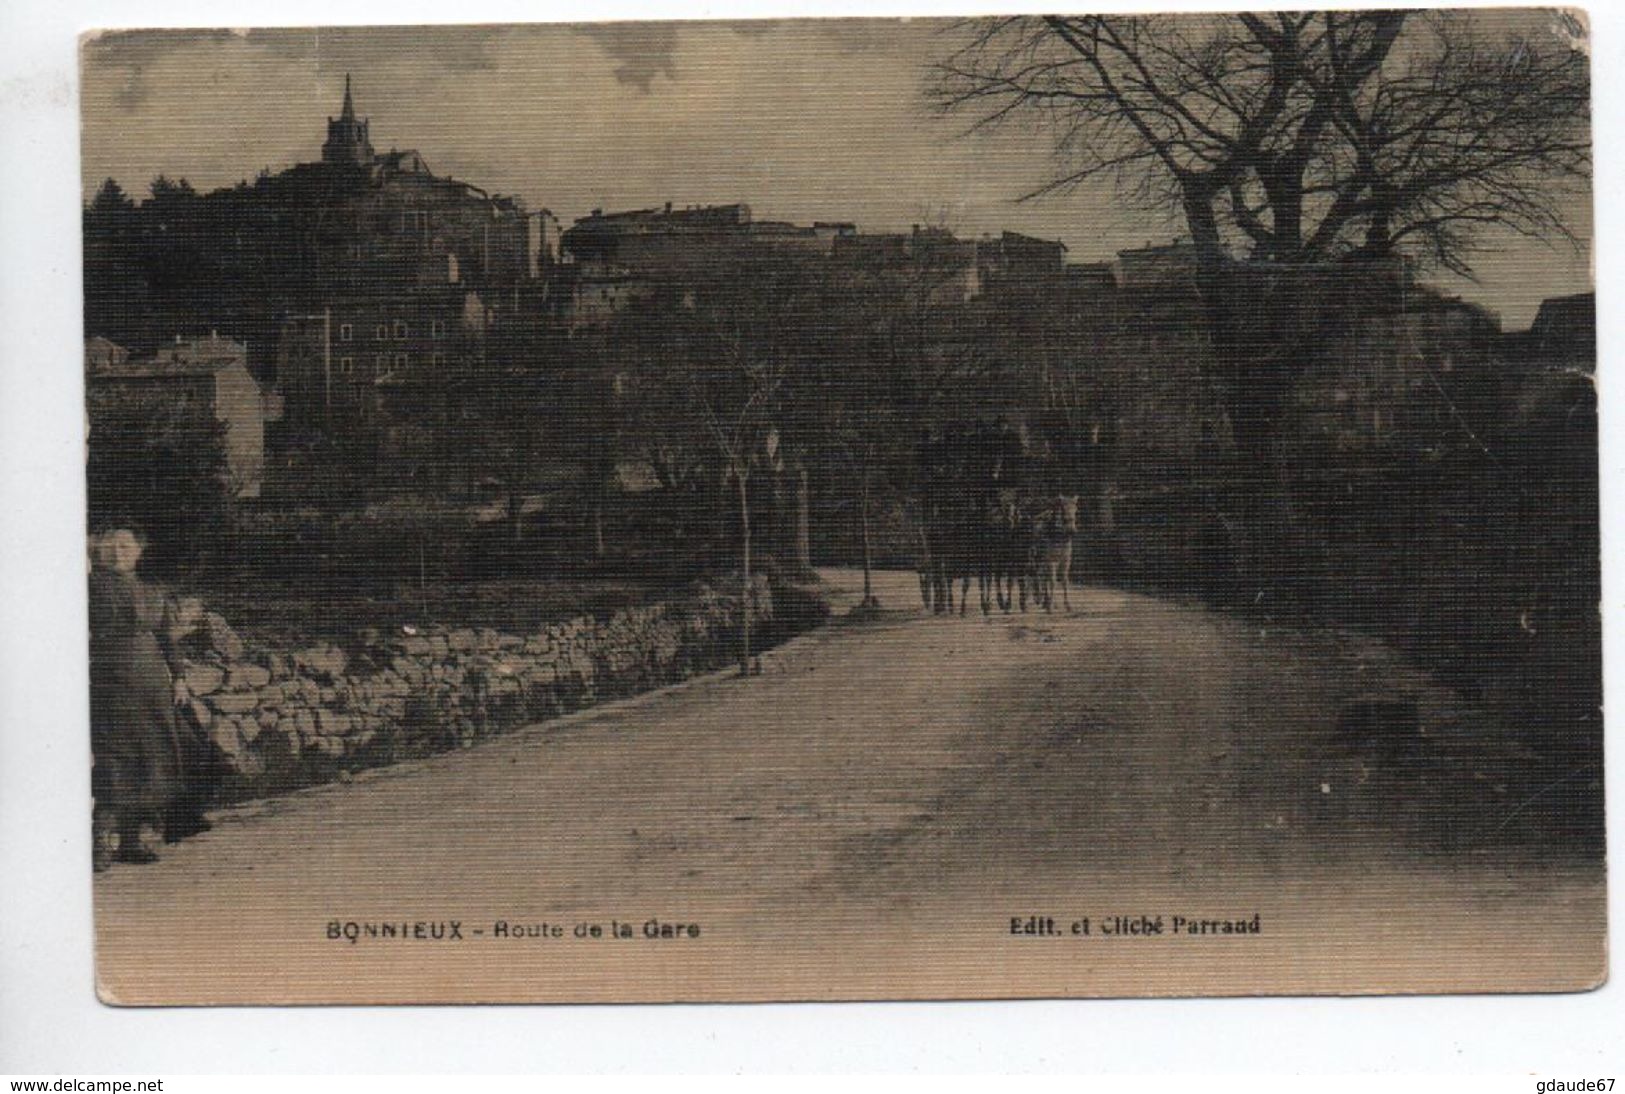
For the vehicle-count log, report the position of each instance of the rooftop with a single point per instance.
(708, 216)
(179, 359)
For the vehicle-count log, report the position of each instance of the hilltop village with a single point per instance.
(361, 294)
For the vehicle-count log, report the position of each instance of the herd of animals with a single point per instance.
(983, 522)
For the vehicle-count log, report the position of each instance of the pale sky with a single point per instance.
(809, 120)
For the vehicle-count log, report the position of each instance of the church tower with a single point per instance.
(346, 137)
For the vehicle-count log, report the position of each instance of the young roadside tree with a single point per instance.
(1316, 146)
(858, 433)
(595, 386)
(730, 344)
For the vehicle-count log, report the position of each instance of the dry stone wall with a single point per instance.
(280, 719)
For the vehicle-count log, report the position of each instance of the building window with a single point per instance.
(382, 332)
(400, 328)
(400, 360)
(380, 364)
(347, 365)
(439, 359)
(437, 328)
(345, 332)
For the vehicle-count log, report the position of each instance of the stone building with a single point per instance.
(591, 296)
(198, 378)
(931, 263)
(1405, 375)
(1156, 266)
(1015, 260)
(372, 373)
(330, 362)
(615, 259)
(1564, 334)
(948, 269)
(102, 354)
(407, 273)
(365, 221)
(671, 242)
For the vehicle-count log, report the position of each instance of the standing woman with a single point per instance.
(139, 763)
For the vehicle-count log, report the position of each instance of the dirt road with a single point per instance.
(886, 812)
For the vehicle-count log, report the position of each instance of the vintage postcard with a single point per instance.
(870, 509)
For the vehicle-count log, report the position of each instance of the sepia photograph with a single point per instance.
(1007, 507)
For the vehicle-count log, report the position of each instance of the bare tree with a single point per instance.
(728, 347)
(1461, 132)
(1284, 134)
(737, 415)
(1309, 143)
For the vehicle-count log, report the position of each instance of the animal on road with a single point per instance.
(1053, 532)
